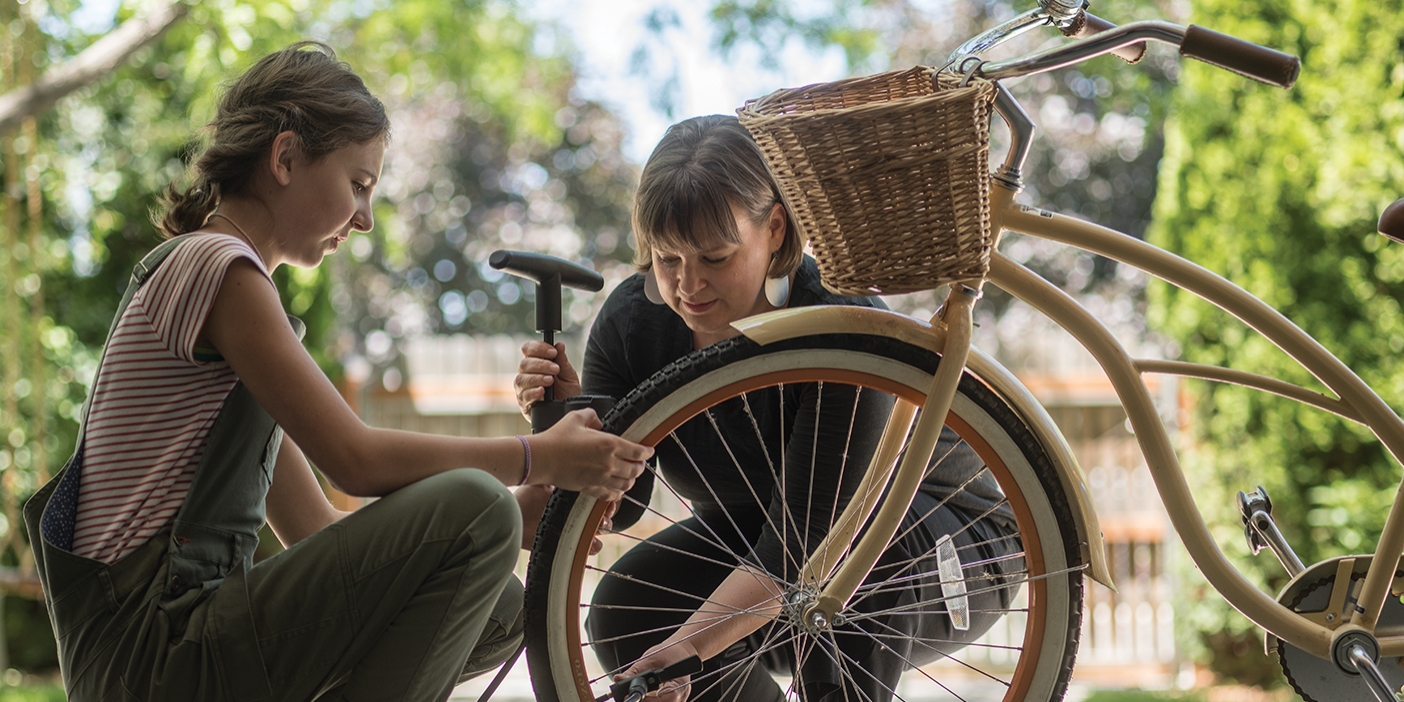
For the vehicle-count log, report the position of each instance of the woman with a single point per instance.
(148, 533)
(715, 245)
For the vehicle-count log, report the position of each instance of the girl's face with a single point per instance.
(720, 283)
(327, 199)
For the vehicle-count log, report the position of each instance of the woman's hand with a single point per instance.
(575, 455)
(544, 365)
(531, 500)
(662, 656)
(606, 526)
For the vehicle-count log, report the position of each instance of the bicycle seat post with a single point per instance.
(549, 273)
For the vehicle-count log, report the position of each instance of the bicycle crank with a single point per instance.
(1326, 592)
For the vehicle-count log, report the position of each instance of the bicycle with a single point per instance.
(1327, 625)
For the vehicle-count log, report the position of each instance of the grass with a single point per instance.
(49, 692)
(1135, 696)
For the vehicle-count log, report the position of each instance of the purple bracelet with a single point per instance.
(526, 459)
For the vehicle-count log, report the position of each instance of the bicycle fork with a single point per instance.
(829, 558)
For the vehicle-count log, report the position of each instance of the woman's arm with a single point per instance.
(715, 625)
(247, 326)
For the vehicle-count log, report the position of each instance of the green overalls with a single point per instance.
(400, 600)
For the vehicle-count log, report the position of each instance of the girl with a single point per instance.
(716, 245)
(204, 416)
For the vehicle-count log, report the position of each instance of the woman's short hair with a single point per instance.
(701, 168)
(303, 89)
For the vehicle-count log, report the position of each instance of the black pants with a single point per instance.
(656, 585)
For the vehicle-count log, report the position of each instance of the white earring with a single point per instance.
(777, 291)
(651, 288)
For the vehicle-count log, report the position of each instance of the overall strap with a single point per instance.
(140, 273)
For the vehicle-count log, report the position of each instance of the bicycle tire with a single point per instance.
(559, 661)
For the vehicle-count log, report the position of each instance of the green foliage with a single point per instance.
(485, 133)
(1279, 191)
(29, 637)
(103, 154)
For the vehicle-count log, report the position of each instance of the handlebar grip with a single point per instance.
(1392, 221)
(1242, 57)
(540, 268)
(1089, 24)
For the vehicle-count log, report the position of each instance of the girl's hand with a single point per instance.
(662, 656)
(544, 365)
(576, 455)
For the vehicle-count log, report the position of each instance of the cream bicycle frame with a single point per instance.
(1354, 400)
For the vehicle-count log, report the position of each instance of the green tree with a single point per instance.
(1279, 191)
(464, 82)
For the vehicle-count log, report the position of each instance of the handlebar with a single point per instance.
(1098, 36)
(1091, 24)
(1242, 57)
(1129, 40)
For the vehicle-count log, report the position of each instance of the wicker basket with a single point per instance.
(887, 176)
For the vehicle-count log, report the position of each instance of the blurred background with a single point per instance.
(523, 125)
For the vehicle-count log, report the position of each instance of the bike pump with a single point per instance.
(549, 273)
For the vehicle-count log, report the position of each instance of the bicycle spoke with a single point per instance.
(715, 540)
(679, 551)
(1001, 586)
(710, 490)
(987, 542)
(927, 640)
(746, 404)
(887, 582)
(771, 643)
(639, 581)
(843, 669)
(847, 444)
(641, 608)
(902, 636)
(997, 559)
(626, 666)
(801, 557)
(739, 471)
(959, 489)
(909, 664)
(953, 535)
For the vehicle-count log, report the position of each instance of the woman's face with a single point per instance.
(721, 283)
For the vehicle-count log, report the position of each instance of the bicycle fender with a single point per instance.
(820, 319)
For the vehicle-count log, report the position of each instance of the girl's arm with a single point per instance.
(297, 507)
(247, 326)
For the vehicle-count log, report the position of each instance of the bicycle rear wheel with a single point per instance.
(1027, 654)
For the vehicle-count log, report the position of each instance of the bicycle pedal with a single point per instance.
(1261, 531)
(953, 583)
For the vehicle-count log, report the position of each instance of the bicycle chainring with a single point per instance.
(1320, 680)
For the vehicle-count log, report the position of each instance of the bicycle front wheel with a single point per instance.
(1022, 565)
